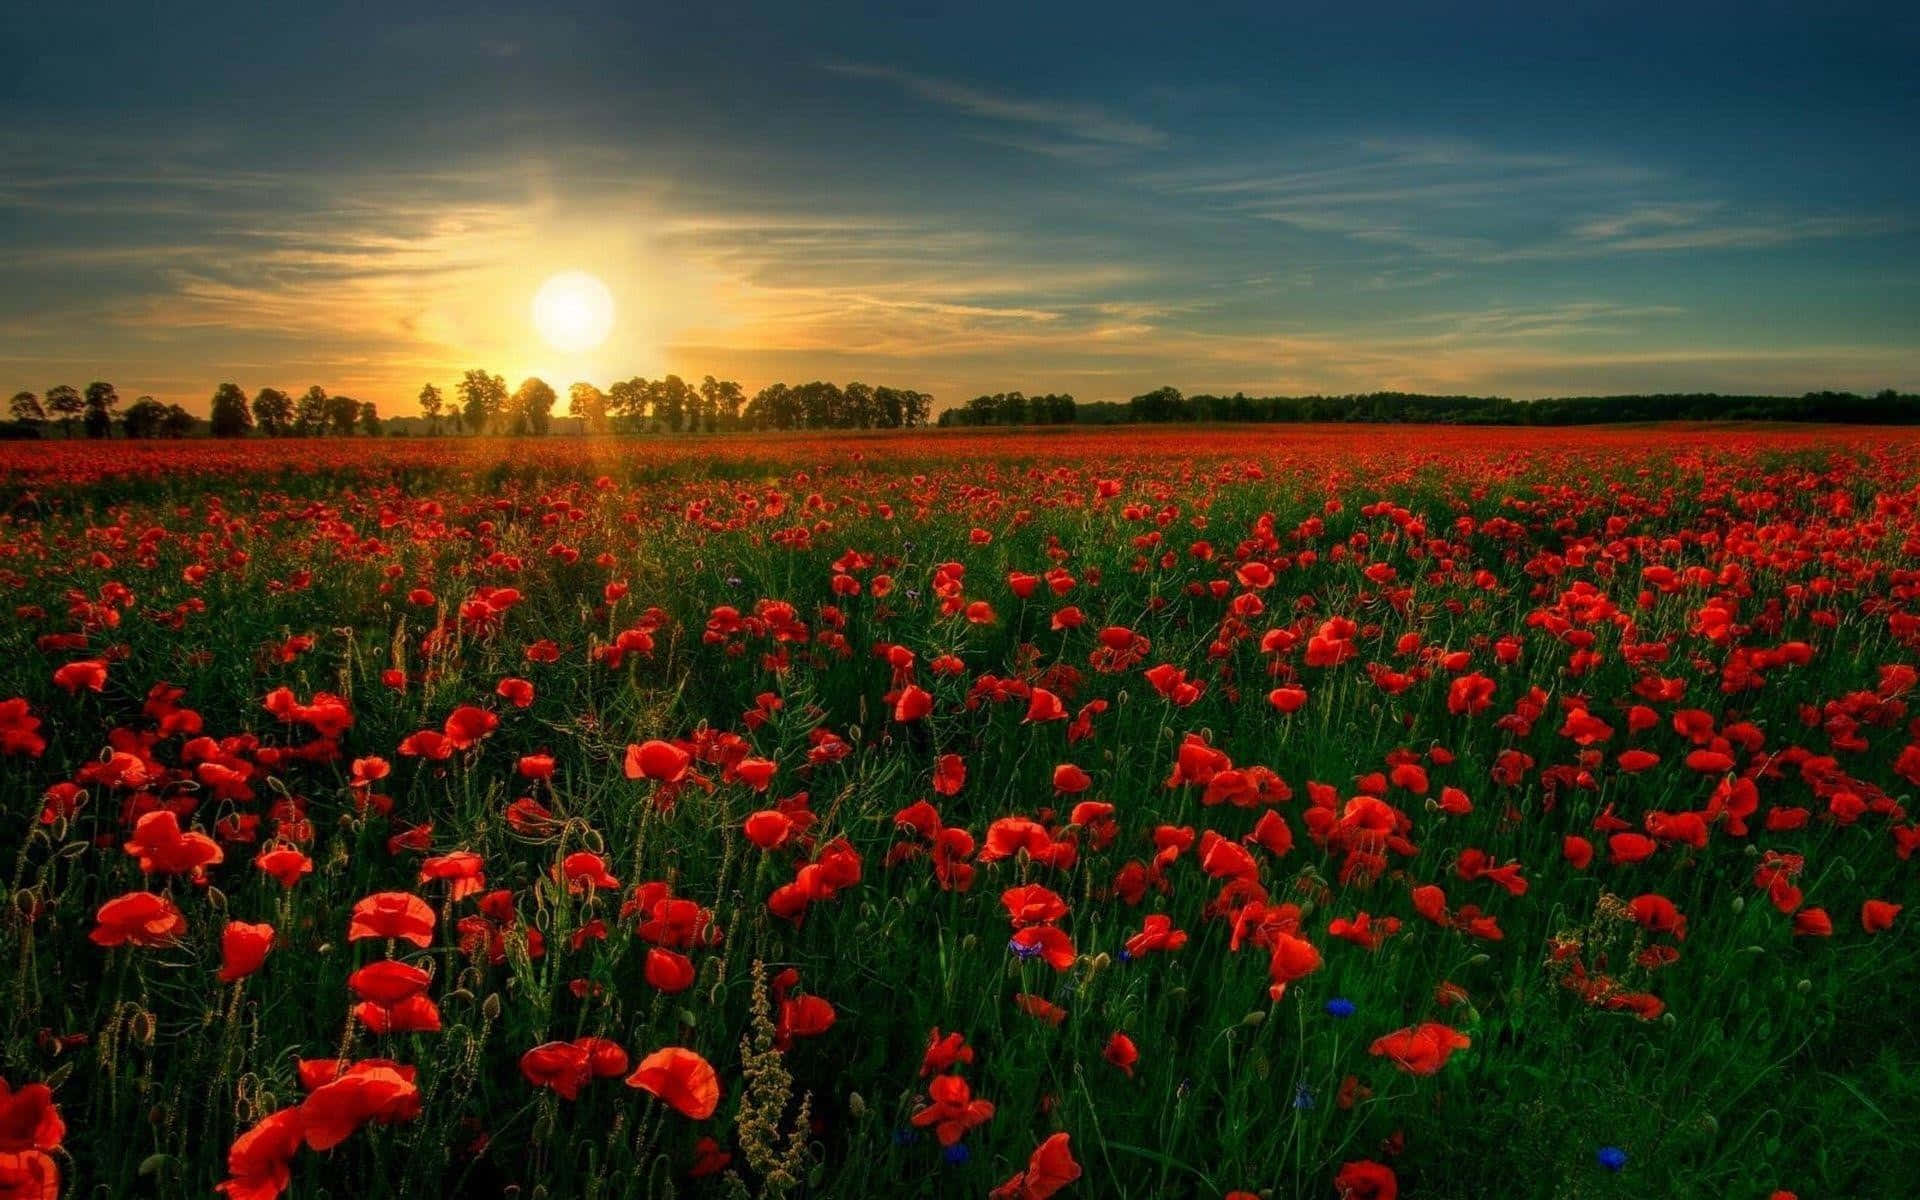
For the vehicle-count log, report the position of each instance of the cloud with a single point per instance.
(1085, 122)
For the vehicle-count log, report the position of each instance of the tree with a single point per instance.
(532, 407)
(102, 399)
(177, 422)
(273, 411)
(1161, 404)
(482, 396)
(228, 413)
(310, 413)
(722, 398)
(430, 405)
(862, 410)
(821, 404)
(342, 411)
(918, 406)
(142, 419)
(369, 419)
(701, 409)
(672, 401)
(65, 403)
(26, 409)
(627, 399)
(588, 403)
(772, 407)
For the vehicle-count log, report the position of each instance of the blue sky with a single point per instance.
(1275, 198)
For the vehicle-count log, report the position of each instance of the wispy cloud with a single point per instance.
(1086, 122)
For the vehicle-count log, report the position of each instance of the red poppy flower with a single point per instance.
(951, 1109)
(162, 849)
(669, 970)
(243, 948)
(585, 871)
(682, 1079)
(768, 829)
(260, 1160)
(1420, 1049)
(364, 1092)
(1050, 1168)
(1366, 1180)
(28, 1118)
(463, 868)
(90, 674)
(944, 1052)
(1876, 916)
(399, 915)
(138, 919)
(657, 760)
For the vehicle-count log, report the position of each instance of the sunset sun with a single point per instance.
(573, 311)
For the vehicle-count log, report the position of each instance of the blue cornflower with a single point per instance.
(1611, 1157)
(905, 1137)
(1341, 1008)
(1302, 1096)
(956, 1154)
(1024, 950)
(1126, 955)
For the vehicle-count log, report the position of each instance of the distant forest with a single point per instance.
(1165, 405)
(481, 403)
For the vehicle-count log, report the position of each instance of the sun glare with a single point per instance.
(573, 311)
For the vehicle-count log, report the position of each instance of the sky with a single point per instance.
(1280, 198)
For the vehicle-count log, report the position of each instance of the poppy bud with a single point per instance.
(1739, 905)
(1254, 1019)
(1804, 986)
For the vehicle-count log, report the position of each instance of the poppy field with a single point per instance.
(1323, 812)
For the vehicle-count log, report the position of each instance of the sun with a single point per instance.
(573, 311)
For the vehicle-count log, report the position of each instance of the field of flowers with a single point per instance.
(1311, 812)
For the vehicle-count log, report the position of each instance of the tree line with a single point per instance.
(231, 414)
(96, 410)
(1168, 404)
(482, 404)
(1014, 408)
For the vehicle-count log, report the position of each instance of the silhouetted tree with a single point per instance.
(673, 400)
(431, 404)
(273, 411)
(102, 399)
(228, 413)
(369, 419)
(177, 422)
(25, 407)
(143, 418)
(532, 407)
(627, 400)
(342, 411)
(722, 399)
(310, 412)
(588, 403)
(1161, 404)
(482, 396)
(65, 403)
